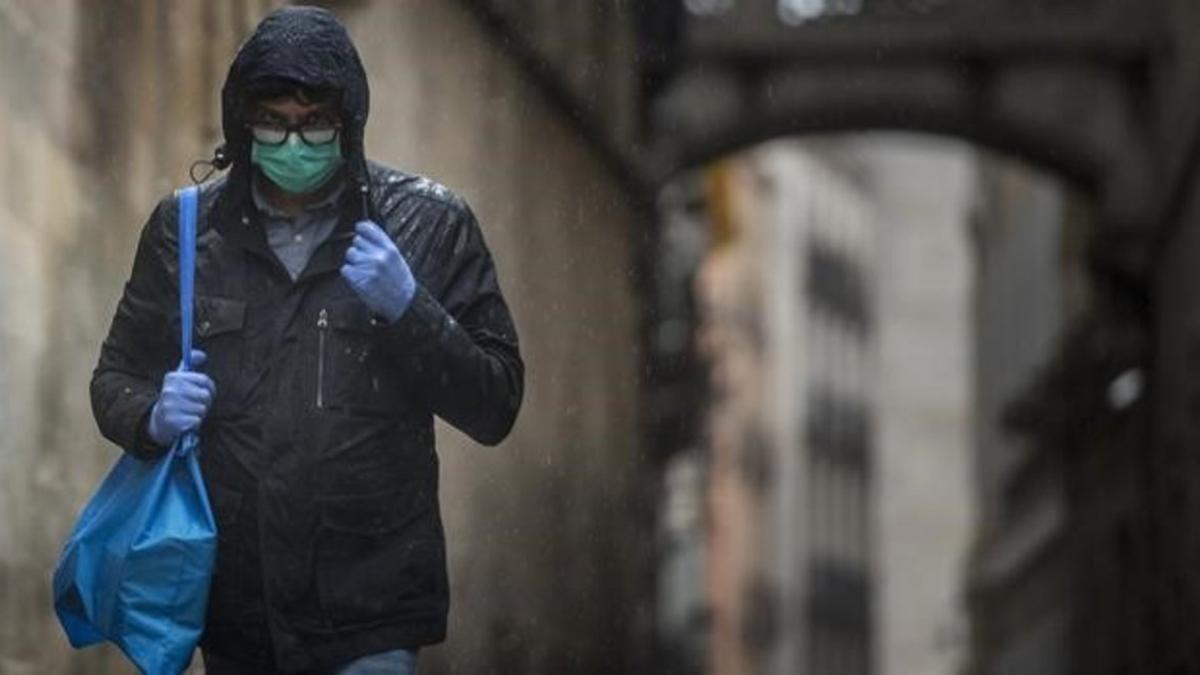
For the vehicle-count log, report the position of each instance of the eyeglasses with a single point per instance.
(270, 133)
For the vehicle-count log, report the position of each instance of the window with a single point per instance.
(837, 285)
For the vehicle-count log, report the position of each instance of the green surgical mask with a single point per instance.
(296, 166)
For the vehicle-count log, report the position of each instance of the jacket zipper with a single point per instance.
(322, 326)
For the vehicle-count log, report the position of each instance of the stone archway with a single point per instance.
(1061, 85)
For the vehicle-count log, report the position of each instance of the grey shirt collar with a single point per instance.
(294, 238)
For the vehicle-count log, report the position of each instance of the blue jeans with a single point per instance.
(396, 662)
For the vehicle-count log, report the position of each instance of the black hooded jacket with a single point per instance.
(318, 451)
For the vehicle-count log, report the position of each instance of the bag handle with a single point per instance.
(188, 205)
(187, 269)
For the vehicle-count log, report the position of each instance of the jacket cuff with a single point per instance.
(143, 446)
(420, 327)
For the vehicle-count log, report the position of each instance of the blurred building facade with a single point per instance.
(926, 515)
(787, 322)
(1006, 402)
(830, 285)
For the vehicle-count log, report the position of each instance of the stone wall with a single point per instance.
(1175, 500)
(101, 115)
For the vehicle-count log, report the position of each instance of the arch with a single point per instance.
(1018, 114)
(1078, 122)
(1080, 163)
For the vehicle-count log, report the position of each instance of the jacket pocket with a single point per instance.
(378, 558)
(352, 374)
(216, 315)
(220, 324)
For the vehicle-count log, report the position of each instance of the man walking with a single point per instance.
(340, 305)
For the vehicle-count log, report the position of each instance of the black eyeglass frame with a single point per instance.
(299, 129)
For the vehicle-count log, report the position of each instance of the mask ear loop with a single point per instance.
(219, 162)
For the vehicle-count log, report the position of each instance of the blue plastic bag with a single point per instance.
(137, 567)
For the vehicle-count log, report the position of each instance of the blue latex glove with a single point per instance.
(183, 402)
(378, 272)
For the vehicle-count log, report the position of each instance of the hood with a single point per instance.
(309, 46)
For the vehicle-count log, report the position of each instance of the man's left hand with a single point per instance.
(378, 272)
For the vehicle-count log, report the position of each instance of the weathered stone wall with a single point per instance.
(1175, 504)
(101, 113)
(35, 161)
(102, 108)
(1174, 501)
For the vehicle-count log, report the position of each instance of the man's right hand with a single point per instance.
(183, 402)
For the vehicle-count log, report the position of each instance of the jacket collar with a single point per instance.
(240, 222)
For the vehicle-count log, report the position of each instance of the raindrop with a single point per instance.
(1126, 389)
